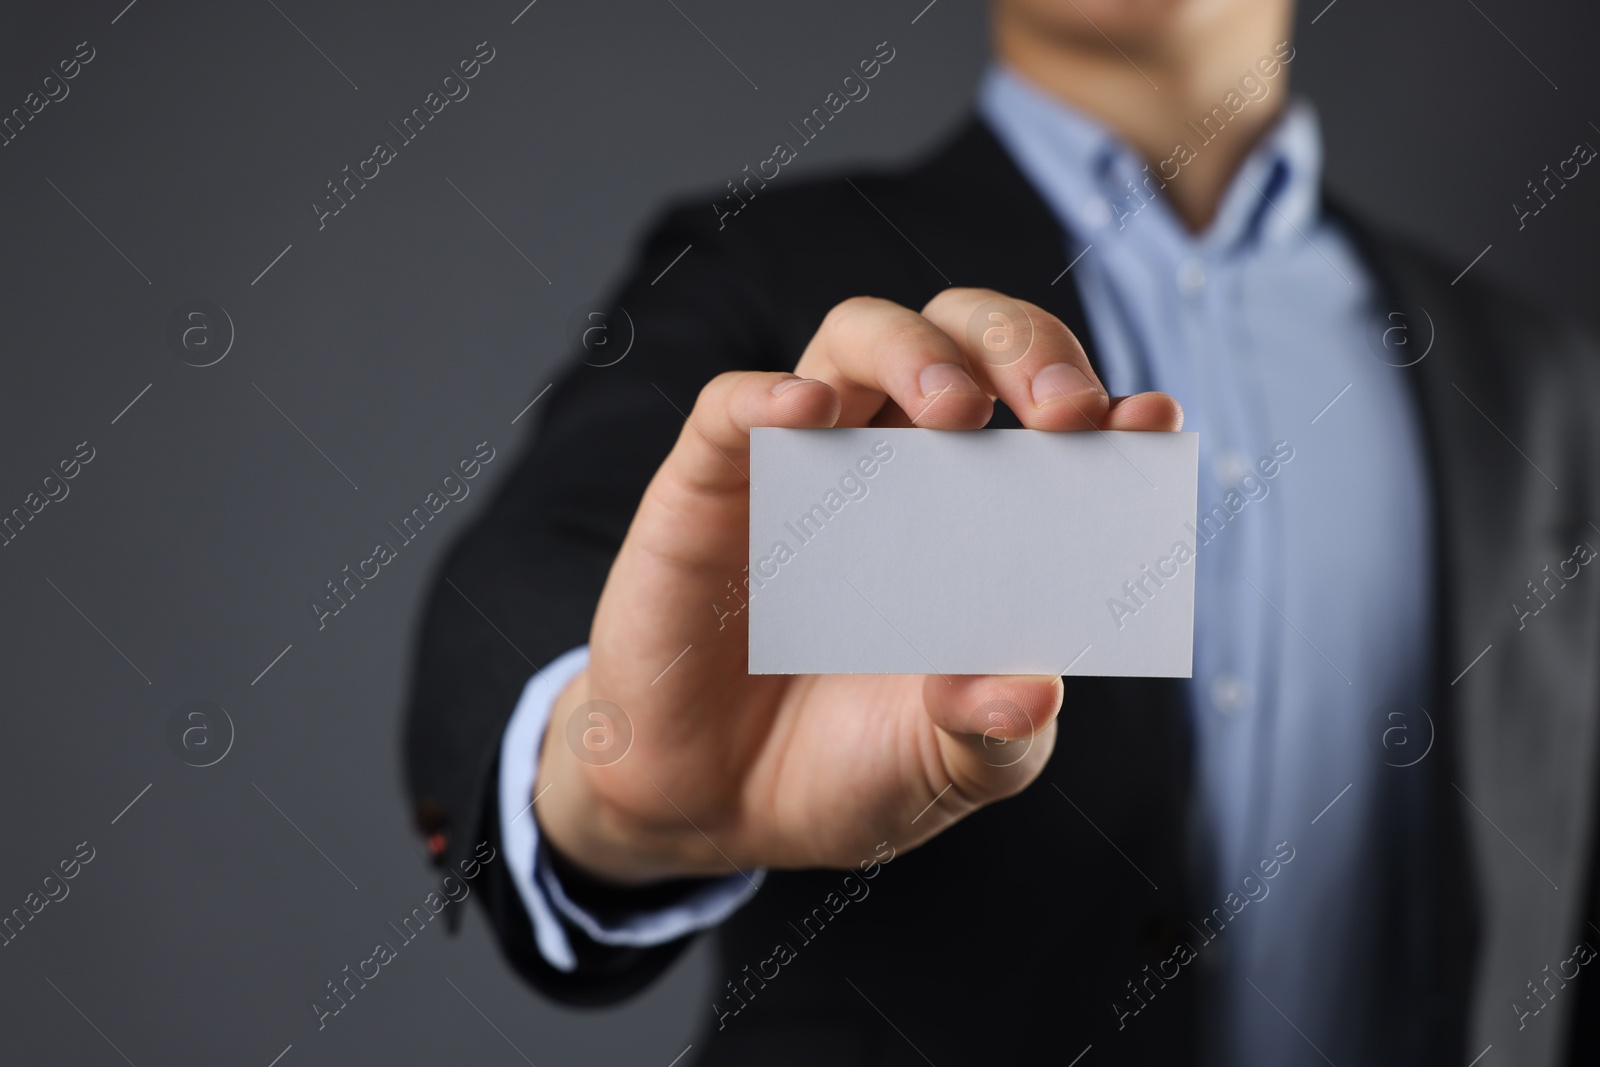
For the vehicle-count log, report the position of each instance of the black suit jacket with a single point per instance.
(1007, 939)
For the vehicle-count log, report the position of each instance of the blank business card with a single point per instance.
(911, 551)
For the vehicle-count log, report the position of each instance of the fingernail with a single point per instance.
(778, 390)
(1058, 381)
(937, 377)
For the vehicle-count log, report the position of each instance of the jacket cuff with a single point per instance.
(551, 889)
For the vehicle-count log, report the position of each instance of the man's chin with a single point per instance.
(1130, 25)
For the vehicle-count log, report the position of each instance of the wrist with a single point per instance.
(579, 819)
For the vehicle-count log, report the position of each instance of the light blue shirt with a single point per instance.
(1313, 584)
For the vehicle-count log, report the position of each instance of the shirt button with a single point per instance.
(1228, 694)
(1096, 213)
(1192, 277)
(1231, 466)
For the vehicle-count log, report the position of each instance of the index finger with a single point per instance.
(1024, 355)
(872, 351)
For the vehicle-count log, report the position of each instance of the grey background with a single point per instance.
(396, 338)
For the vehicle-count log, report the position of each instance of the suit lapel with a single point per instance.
(987, 227)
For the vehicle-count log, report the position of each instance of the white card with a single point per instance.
(912, 551)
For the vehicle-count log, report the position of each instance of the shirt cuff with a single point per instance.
(546, 901)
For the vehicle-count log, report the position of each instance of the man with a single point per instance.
(1362, 833)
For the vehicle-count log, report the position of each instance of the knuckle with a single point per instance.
(849, 312)
(957, 297)
(1054, 330)
(910, 339)
(976, 789)
(716, 392)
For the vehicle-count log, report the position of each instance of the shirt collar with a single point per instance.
(1082, 169)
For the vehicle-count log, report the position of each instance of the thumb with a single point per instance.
(995, 733)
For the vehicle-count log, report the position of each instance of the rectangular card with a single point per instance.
(909, 551)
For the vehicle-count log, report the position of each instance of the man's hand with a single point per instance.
(728, 769)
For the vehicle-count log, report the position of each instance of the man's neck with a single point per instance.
(1151, 95)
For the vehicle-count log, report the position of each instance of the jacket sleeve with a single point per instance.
(520, 586)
